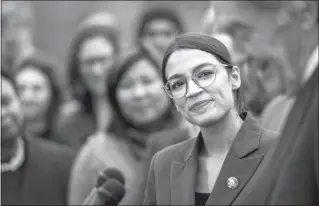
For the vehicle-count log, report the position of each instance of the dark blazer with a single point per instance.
(43, 178)
(172, 174)
(156, 142)
(292, 175)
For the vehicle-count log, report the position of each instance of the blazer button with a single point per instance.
(232, 183)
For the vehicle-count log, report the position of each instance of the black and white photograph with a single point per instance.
(201, 103)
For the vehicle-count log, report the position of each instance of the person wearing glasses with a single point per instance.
(92, 55)
(221, 164)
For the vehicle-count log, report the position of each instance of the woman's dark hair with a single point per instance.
(208, 44)
(78, 87)
(239, 99)
(125, 63)
(159, 13)
(48, 70)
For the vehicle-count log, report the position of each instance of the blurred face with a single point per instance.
(270, 40)
(34, 91)
(139, 94)
(96, 59)
(160, 33)
(11, 117)
(206, 104)
(259, 83)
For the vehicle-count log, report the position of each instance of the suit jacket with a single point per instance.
(292, 171)
(43, 177)
(156, 143)
(172, 174)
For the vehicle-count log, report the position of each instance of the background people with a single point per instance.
(157, 29)
(33, 170)
(140, 108)
(285, 32)
(112, 110)
(92, 55)
(40, 96)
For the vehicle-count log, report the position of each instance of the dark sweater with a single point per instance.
(156, 142)
(74, 130)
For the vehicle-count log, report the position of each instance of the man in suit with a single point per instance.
(259, 86)
(284, 35)
(33, 171)
(256, 91)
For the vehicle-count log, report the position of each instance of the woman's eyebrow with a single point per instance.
(174, 76)
(201, 66)
(193, 70)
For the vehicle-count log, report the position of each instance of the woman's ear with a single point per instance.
(235, 78)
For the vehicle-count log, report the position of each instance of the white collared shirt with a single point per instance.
(311, 65)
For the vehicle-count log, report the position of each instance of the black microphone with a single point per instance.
(111, 173)
(110, 193)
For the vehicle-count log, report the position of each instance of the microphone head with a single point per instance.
(100, 180)
(113, 191)
(113, 173)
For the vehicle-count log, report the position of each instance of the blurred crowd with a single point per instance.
(112, 110)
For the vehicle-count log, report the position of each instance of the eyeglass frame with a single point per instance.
(165, 87)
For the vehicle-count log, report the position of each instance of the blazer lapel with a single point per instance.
(239, 165)
(183, 175)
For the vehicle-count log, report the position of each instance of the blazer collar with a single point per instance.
(184, 170)
(311, 65)
(246, 141)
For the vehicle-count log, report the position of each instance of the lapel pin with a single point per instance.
(232, 183)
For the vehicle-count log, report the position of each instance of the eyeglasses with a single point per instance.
(177, 88)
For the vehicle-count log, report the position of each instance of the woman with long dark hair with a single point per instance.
(227, 155)
(40, 96)
(92, 55)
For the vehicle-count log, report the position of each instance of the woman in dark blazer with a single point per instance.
(216, 167)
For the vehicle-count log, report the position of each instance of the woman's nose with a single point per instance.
(139, 91)
(97, 69)
(192, 89)
(27, 94)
